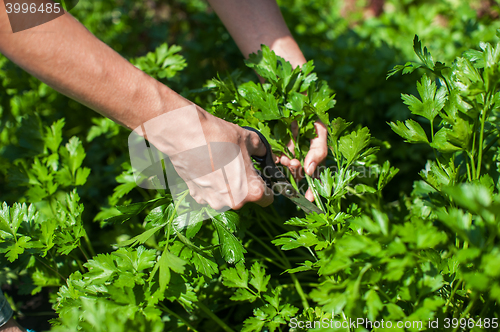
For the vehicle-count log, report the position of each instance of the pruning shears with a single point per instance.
(276, 180)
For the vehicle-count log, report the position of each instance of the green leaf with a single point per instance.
(297, 102)
(424, 54)
(412, 132)
(325, 185)
(204, 265)
(373, 303)
(259, 278)
(235, 277)
(491, 263)
(264, 62)
(232, 250)
(382, 221)
(386, 174)
(101, 268)
(351, 145)
(164, 273)
(243, 294)
(306, 266)
(407, 68)
(435, 175)
(72, 154)
(175, 263)
(292, 240)
(441, 142)
(337, 127)
(162, 63)
(432, 101)
(5, 220)
(264, 103)
(16, 249)
(143, 237)
(139, 259)
(252, 324)
(81, 176)
(473, 196)
(322, 100)
(53, 135)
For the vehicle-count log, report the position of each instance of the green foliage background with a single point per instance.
(422, 246)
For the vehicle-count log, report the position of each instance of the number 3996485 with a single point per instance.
(33, 8)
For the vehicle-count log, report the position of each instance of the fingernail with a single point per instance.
(295, 163)
(311, 168)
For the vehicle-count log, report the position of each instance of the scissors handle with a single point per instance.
(276, 180)
(270, 173)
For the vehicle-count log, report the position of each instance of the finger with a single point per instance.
(293, 165)
(254, 144)
(318, 150)
(285, 161)
(258, 193)
(267, 199)
(291, 147)
(295, 132)
(309, 195)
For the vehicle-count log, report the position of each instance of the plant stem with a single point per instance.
(287, 264)
(469, 177)
(381, 292)
(168, 311)
(465, 313)
(51, 268)
(214, 317)
(267, 259)
(360, 276)
(300, 291)
(296, 282)
(52, 207)
(172, 217)
(292, 182)
(473, 166)
(432, 130)
(481, 137)
(451, 295)
(83, 252)
(312, 253)
(317, 199)
(432, 140)
(485, 307)
(88, 243)
(253, 236)
(82, 270)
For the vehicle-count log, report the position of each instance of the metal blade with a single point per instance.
(287, 190)
(305, 204)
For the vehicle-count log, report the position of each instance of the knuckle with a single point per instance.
(216, 204)
(238, 206)
(256, 194)
(200, 201)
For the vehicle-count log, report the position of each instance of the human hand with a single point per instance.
(211, 156)
(317, 154)
(11, 326)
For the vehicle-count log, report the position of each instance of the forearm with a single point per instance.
(255, 22)
(66, 56)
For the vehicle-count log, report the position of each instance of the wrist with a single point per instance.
(287, 48)
(149, 100)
